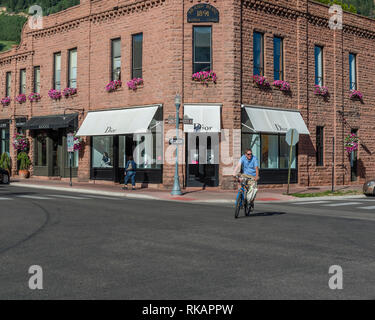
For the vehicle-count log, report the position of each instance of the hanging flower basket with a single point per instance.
(20, 142)
(134, 83)
(5, 101)
(321, 91)
(78, 143)
(356, 95)
(204, 77)
(68, 92)
(261, 82)
(21, 98)
(54, 94)
(351, 143)
(113, 85)
(34, 97)
(282, 85)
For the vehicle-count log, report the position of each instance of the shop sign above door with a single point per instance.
(203, 13)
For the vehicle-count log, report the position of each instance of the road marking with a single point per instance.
(310, 202)
(101, 197)
(34, 197)
(68, 197)
(368, 208)
(341, 204)
(6, 199)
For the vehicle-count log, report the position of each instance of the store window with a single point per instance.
(202, 51)
(102, 152)
(22, 81)
(116, 59)
(319, 66)
(137, 48)
(40, 150)
(72, 69)
(271, 150)
(258, 54)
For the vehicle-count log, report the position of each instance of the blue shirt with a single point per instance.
(248, 166)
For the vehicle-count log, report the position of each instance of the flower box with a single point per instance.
(113, 85)
(20, 142)
(204, 77)
(261, 82)
(282, 85)
(54, 94)
(68, 92)
(356, 95)
(21, 98)
(321, 91)
(5, 101)
(134, 83)
(34, 97)
(351, 143)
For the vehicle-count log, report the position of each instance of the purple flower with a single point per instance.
(134, 83)
(5, 101)
(21, 98)
(261, 81)
(33, 97)
(356, 94)
(67, 92)
(321, 91)
(204, 77)
(282, 85)
(54, 94)
(113, 85)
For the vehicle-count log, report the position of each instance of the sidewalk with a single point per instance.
(190, 195)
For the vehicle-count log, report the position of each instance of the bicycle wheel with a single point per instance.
(238, 205)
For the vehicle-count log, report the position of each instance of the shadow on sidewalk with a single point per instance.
(263, 214)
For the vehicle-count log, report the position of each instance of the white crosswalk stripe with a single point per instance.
(5, 199)
(68, 197)
(310, 202)
(367, 208)
(341, 204)
(33, 197)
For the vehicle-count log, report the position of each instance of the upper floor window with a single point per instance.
(116, 59)
(23, 81)
(202, 49)
(57, 71)
(72, 70)
(353, 71)
(258, 52)
(278, 59)
(8, 84)
(319, 66)
(137, 47)
(37, 79)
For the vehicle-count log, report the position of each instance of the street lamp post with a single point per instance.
(176, 186)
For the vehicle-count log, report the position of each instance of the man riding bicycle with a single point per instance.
(250, 170)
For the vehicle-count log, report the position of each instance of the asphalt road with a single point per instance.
(92, 247)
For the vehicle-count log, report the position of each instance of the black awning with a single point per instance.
(4, 123)
(52, 122)
(20, 122)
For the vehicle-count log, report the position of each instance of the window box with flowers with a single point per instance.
(321, 91)
(54, 94)
(261, 82)
(69, 92)
(283, 86)
(34, 97)
(21, 98)
(134, 83)
(351, 143)
(5, 101)
(113, 86)
(356, 95)
(204, 77)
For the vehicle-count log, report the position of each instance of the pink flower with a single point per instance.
(113, 85)
(134, 83)
(204, 77)
(21, 98)
(54, 94)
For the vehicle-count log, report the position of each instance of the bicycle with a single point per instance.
(241, 200)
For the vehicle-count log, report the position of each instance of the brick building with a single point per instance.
(164, 42)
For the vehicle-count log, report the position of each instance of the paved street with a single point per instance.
(102, 247)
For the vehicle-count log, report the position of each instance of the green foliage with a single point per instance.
(11, 27)
(24, 160)
(48, 6)
(363, 7)
(5, 161)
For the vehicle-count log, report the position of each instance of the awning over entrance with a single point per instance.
(275, 121)
(52, 122)
(4, 123)
(206, 118)
(117, 122)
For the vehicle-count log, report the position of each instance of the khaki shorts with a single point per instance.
(251, 182)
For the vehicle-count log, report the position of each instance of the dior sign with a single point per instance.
(110, 130)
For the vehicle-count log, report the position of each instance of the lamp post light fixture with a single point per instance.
(176, 191)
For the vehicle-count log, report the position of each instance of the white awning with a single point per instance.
(117, 122)
(206, 118)
(275, 121)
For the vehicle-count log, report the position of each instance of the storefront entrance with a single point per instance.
(202, 154)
